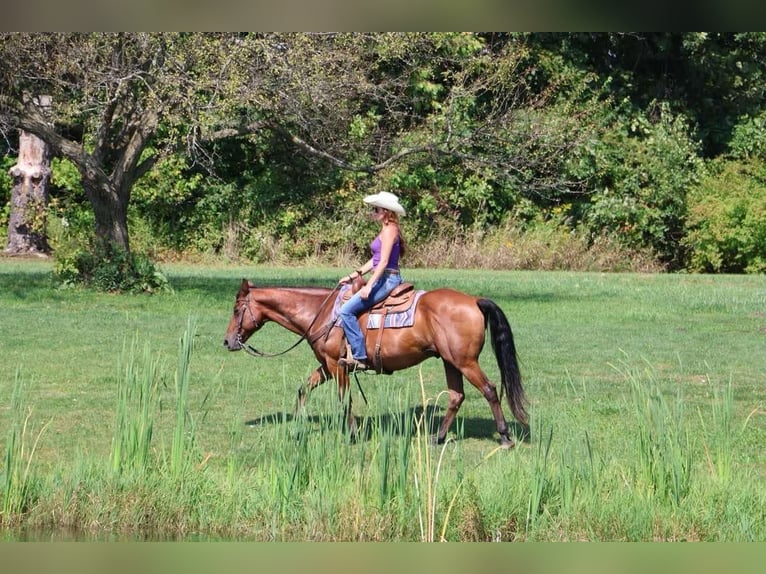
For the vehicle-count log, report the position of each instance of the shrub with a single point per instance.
(726, 225)
(106, 267)
(640, 195)
(748, 139)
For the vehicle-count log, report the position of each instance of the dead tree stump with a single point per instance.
(29, 196)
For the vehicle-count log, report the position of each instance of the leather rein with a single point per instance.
(253, 352)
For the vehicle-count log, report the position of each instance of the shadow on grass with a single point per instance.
(33, 280)
(396, 424)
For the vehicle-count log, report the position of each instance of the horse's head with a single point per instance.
(246, 319)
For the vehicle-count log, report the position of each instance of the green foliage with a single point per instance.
(163, 198)
(105, 267)
(713, 78)
(66, 177)
(6, 182)
(726, 227)
(748, 139)
(6, 185)
(646, 168)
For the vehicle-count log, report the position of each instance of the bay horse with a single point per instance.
(448, 324)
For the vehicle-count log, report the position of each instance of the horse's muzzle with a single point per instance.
(232, 344)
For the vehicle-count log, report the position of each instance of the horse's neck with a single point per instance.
(294, 308)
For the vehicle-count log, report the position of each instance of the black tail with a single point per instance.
(505, 353)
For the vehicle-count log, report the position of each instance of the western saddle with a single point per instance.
(399, 300)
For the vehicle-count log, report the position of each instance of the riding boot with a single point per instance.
(351, 364)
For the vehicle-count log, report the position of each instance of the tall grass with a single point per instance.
(18, 492)
(540, 481)
(136, 409)
(139, 404)
(664, 447)
(303, 479)
(720, 436)
(392, 456)
(183, 434)
(426, 470)
(544, 246)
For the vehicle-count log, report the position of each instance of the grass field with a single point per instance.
(648, 417)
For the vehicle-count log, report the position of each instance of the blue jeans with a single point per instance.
(351, 309)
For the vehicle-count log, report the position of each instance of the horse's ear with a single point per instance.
(245, 287)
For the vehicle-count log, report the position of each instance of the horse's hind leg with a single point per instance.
(456, 397)
(479, 379)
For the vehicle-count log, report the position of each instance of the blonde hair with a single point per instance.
(392, 216)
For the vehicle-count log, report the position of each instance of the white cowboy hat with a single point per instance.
(386, 200)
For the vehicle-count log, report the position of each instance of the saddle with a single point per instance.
(401, 298)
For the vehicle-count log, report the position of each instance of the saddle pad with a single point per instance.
(403, 319)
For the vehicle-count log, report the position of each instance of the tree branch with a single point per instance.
(131, 152)
(309, 149)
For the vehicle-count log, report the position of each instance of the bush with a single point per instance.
(748, 139)
(108, 268)
(640, 190)
(726, 225)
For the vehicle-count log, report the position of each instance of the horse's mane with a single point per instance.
(307, 289)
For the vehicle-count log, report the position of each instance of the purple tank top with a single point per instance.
(393, 259)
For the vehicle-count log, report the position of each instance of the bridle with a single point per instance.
(253, 352)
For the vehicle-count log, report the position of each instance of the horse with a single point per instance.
(448, 324)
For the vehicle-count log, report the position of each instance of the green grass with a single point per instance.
(647, 407)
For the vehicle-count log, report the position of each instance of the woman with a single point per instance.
(384, 265)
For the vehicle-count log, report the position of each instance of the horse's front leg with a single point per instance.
(344, 396)
(316, 378)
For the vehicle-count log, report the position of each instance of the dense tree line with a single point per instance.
(238, 143)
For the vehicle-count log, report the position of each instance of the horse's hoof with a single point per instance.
(437, 440)
(505, 442)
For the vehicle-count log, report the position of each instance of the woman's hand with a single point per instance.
(350, 277)
(364, 292)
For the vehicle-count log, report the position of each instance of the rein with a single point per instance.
(253, 352)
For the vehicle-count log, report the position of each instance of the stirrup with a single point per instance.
(354, 364)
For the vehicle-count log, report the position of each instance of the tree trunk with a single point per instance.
(111, 213)
(29, 198)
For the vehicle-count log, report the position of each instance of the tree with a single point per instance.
(713, 78)
(115, 95)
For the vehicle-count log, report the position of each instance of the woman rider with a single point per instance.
(384, 265)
